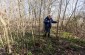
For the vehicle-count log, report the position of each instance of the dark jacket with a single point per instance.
(47, 22)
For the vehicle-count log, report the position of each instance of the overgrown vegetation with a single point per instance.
(21, 27)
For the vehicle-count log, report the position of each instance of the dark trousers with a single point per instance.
(47, 32)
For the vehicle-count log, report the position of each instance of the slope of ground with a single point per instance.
(39, 45)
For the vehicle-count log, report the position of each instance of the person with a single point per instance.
(47, 25)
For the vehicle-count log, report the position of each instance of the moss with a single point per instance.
(29, 53)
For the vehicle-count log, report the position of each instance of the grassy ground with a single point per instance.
(47, 46)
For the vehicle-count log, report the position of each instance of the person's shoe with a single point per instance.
(48, 35)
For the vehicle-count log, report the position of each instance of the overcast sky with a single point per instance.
(5, 5)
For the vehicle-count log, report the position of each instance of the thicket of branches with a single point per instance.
(18, 17)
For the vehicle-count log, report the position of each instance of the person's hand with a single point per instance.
(57, 21)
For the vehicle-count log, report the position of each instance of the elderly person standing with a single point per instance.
(47, 25)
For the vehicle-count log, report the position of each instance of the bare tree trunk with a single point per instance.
(67, 2)
(6, 34)
(72, 13)
(40, 15)
(59, 12)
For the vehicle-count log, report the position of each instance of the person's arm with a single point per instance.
(53, 21)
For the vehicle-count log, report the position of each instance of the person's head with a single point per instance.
(49, 16)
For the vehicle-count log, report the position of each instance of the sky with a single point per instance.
(70, 7)
(54, 11)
